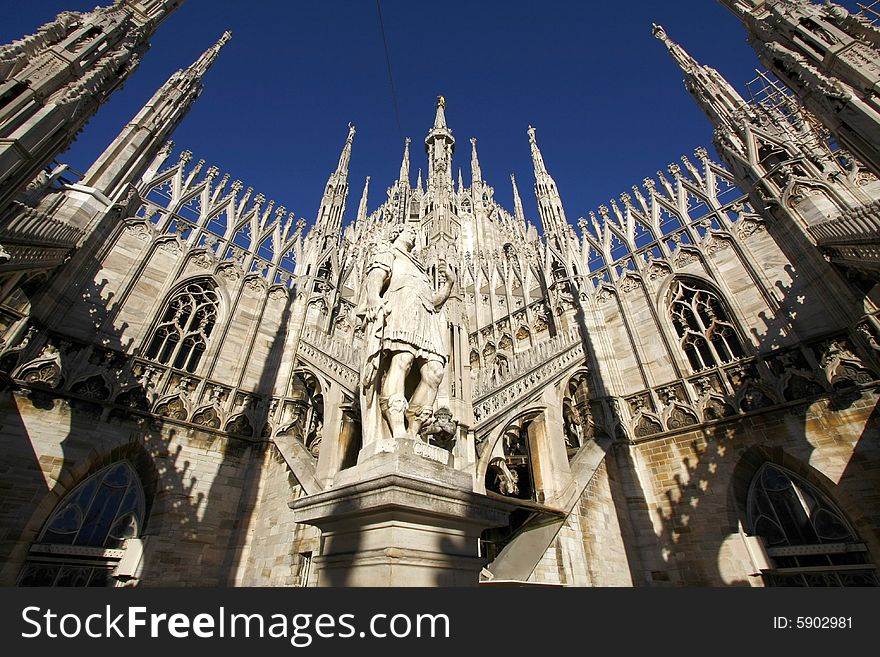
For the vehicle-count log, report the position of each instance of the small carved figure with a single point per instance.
(506, 480)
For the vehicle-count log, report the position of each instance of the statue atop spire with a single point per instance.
(537, 158)
(687, 63)
(440, 118)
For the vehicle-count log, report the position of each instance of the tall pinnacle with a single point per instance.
(440, 145)
(476, 173)
(333, 202)
(126, 159)
(715, 95)
(345, 156)
(403, 176)
(362, 206)
(687, 63)
(518, 212)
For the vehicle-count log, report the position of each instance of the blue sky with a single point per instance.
(607, 101)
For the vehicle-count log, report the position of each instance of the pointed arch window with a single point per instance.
(186, 324)
(89, 532)
(706, 332)
(807, 537)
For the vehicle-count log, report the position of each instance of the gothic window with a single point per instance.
(88, 532)
(703, 324)
(808, 539)
(181, 337)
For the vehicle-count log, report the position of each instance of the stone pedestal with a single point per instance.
(400, 518)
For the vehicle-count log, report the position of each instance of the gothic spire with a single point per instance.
(549, 202)
(362, 206)
(201, 66)
(440, 145)
(517, 203)
(55, 95)
(142, 139)
(715, 95)
(476, 173)
(345, 156)
(685, 62)
(332, 207)
(403, 176)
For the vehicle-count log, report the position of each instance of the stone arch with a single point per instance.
(491, 444)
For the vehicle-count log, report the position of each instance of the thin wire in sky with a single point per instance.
(390, 76)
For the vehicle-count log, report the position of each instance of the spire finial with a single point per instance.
(687, 63)
(517, 203)
(207, 59)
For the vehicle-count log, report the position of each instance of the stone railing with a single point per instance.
(529, 373)
(327, 353)
(523, 362)
(856, 227)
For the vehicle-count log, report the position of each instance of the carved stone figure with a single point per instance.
(404, 347)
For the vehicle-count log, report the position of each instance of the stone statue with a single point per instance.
(405, 349)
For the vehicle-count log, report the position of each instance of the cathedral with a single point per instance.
(197, 388)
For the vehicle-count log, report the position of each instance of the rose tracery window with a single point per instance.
(807, 537)
(702, 322)
(181, 337)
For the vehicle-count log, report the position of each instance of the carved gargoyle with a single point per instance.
(441, 429)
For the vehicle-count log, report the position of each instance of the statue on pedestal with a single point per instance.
(405, 353)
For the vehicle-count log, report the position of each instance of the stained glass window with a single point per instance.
(807, 537)
(85, 536)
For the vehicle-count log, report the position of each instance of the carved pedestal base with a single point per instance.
(400, 519)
